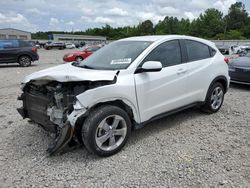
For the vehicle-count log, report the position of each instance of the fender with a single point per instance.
(113, 99)
(110, 93)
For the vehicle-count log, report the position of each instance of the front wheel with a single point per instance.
(214, 99)
(106, 130)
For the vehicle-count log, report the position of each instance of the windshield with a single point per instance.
(115, 56)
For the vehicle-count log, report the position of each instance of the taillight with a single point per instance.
(226, 60)
(34, 49)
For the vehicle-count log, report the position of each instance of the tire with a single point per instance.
(24, 61)
(106, 130)
(214, 98)
(78, 58)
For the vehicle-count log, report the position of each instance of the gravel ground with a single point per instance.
(188, 149)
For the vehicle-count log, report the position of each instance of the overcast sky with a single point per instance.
(68, 15)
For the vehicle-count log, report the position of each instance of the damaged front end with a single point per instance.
(54, 106)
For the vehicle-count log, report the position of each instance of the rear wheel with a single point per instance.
(214, 99)
(106, 130)
(24, 61)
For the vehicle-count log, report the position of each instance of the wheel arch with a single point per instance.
(118, 102)
(19, 56)
(121, 103)
(221, 79)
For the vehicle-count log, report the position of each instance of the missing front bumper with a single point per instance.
(63, 137)
(35, 108)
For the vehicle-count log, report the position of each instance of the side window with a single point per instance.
(168, 53)
(24, 43)
(197, 50)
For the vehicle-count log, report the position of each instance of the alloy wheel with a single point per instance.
(25, 61)
(217, 98)
(111, 132)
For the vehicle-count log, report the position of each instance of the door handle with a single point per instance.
(181, 71)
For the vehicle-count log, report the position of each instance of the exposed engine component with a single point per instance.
(51, 103)
(56, 112)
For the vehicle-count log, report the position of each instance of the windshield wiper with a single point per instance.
(77, 64)
(86, 66)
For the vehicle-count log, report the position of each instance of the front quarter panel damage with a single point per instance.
(123, 90)
(54, 105)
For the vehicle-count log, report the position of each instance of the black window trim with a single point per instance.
(186, 54)
(211, 51)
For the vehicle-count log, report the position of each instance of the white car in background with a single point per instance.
(245, 47)
(70, 45)
(123, 86)
(236, 49)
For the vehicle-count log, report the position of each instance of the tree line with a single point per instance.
(211, 24)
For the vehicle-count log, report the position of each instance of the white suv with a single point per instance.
(123, 86)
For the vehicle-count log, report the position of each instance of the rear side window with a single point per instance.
(24, 43)
(168, 53)
(197, 50)
(8, 44)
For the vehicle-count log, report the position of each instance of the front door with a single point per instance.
(163, 91)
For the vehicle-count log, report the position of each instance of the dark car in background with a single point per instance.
(57, 45)
(239, 69)
(17, 51)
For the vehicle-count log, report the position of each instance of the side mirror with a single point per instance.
(150, 66)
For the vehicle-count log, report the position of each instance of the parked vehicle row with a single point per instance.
(59, 45)
(55, 45)
(25, 52)
(122, 87)
(63, 45)
(234, 49)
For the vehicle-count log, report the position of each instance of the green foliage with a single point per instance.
(234, 34)
(237, 16)
(146, 28)
(211, 25)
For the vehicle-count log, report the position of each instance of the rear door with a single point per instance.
(199, 61)
(159, 92)
(8, 51)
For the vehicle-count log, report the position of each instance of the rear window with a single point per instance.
(197, 50)
(6, 44)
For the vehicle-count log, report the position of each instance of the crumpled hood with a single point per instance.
(70, 73)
